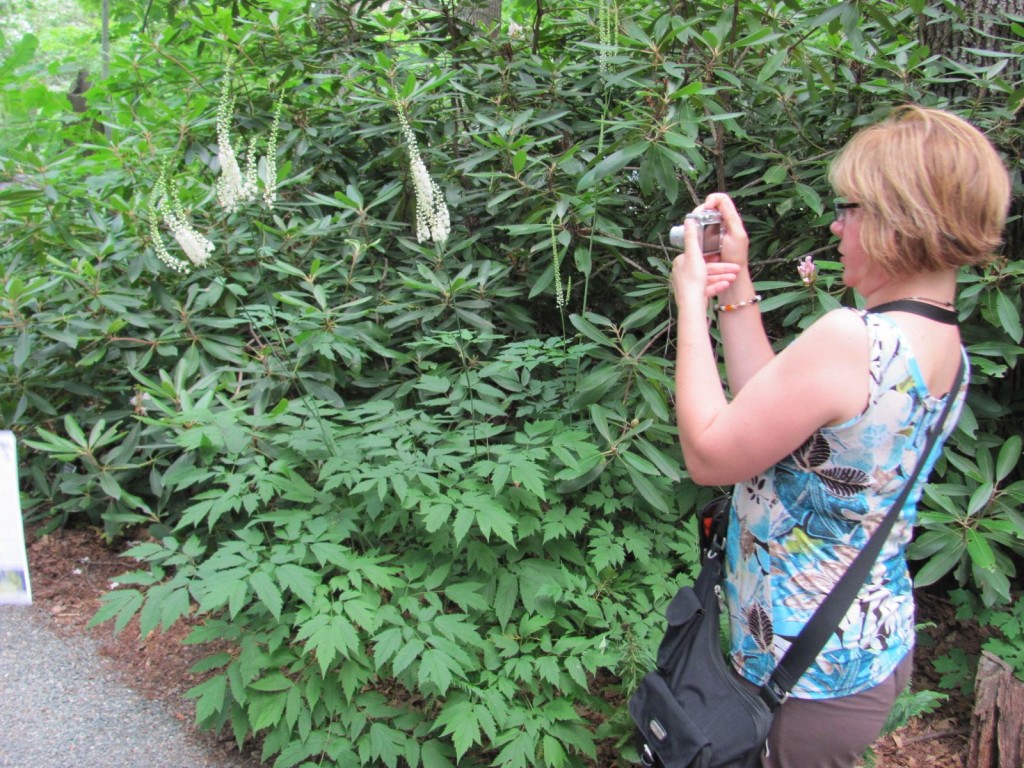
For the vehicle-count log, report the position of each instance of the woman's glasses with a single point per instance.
(842, 207)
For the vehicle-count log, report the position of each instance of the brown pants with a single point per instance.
(833, 733)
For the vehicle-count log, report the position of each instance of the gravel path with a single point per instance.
(59, 707)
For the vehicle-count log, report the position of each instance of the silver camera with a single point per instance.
(709, 232)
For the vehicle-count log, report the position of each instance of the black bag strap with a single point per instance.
(812, 638)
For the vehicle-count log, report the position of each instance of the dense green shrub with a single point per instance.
(430, 491)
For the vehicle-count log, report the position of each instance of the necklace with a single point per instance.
(941, 303)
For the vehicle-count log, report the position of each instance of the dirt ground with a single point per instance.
(71, 569)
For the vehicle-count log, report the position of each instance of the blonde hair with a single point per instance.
(933, 190)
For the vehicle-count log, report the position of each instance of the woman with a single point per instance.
(819, 438)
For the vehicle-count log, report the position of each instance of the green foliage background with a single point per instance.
(431, 494)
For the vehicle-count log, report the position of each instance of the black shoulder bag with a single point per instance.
(693, 711)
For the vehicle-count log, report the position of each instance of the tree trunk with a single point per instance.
(997, 724)
(485, 13)
(984, 26)
(982, 20)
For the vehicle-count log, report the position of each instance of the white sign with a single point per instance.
(15, 588)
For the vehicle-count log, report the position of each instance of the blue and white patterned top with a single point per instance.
(795, 529)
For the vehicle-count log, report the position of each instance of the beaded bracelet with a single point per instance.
(738, 304)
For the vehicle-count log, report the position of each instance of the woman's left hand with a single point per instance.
(696, 277)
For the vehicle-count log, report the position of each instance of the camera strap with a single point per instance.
(930, 311)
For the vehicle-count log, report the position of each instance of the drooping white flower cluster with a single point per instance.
(556, 267)
(270, 165)
(432, 219)
(165, 206)
(158, 241)
(232, 188)
(608, 31)
(196, 246)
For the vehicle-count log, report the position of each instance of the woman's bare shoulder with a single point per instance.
(836, 333)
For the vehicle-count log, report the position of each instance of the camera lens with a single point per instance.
(675, 237)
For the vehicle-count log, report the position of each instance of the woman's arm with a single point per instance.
(820, 378)
(745, 343)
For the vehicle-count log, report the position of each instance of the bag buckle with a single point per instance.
(647, 757)
(773, 695)
(712, 522)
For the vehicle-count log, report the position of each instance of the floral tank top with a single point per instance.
(795, 529)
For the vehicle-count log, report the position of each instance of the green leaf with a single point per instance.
(577, 672)
(519, 752)
(409, 86)
(386, 744)
(980, 498)
(463, 720)
(648, 489)
(75, 432)
(775, 174)
(596, 384)
(467, 595)
(491, 517)
(668, 465)
(600, 420)
(591, 331)
(771, 66)
(529, 475)
(433, 384)
(608, 168)
(980, 550)
(22, 349)
(225, 588)
(121, 604)
(109, 485)
(463, 522)
(165, 604)
(644, 315)
(266, 590)
(1009, 316)
(519, 162)
(554, 753)
(436, 515)
(211, 696)
(20, 55)
(639, 463)
(995, 586)
(549, 669)
(407, 655)
(329, 636)
(301, 581)
(811, 198)
(1009, 456)
(654, 399)
(275, 681)
(436, 754)
(436, 667)
(266, 709)
(579, 477)
(505, 597)
(940, 563)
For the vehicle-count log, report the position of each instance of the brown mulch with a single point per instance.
(71, 569)
(939, 739)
